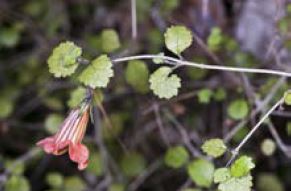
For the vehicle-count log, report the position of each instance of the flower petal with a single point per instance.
(79, 153)
(48, 144)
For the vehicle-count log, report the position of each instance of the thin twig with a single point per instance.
(133, 19)
(203, 66)
(235, 152)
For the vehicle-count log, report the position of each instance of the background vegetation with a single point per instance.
(154, 144)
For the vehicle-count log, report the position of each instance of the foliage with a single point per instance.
(201, 172)
(97, 74)
(238, 109)
(239, 184)
(221, 175)
(163, 84)
(63, 60)
(110, 40)
(268, 147)
(242, 166)
(177, 39)
(214, 147)
(176, 157)
(132, 164)
(137, 75)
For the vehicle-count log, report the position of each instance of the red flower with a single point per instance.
(69, 138)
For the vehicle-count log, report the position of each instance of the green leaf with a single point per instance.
(110, 40)
(176, 157)
(287, 98)
(6, 107)
(191, 189)
(55, 179)
(242, 166)
(76, 97)
(221, 175)
(9, 36)
(74, 183)
(163, 85)
(159, 60)
(97, 74)
(219, 94)
(238, 109)
(201, 172)
(132, 164)
(237, 184)
(214, 147)
(17, 169)
(19, 183)
(204, 95)
(269, 182)
(63, 60)
(268, 147)
(137, 75)
(178, 38)
(117, 187)
(95, 165)
(52, 123)
(288, 128)
(215, 39)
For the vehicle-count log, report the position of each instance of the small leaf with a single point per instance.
(176, 157)
(215, 39)
(6, 107)
(237, 184)
(287, 98)
(137, 75)
(204, 95)
(159, 60)
(221, 175)
(96, 164)
(116, 187)
(178, 38)
(242, 166)
(269, 182)
(110, 40)
(219, 94)
(53, 122)
(214, 147)
(63, 60)
(238, 109)
(201, 172)
(163, 85)
(55, 179)
(76, 97)
(97, 74)
(268, 147)
(74, 183)
(17, 183)
(132, 164)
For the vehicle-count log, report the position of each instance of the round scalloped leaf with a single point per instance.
(76, 97)
(269, 182)
(98, 73)
(214, 147)
(178, 38)
(110, 40)
(268, 147)
(176, 157)
(63, 60)
(221, 175)
(237, 184)
(55, 179)
(163, 85)
(17, 183)
(242, 166)
(132, 164)
(201, 172)
(238, 109)
(137, 75)
(53, 122)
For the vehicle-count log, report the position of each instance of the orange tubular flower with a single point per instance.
(69, 138)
